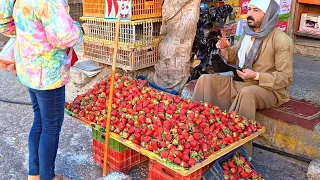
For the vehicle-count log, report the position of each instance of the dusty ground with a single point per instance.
(74, 156)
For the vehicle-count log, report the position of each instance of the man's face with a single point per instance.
(255, 17)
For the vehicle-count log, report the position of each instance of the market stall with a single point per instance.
(181, 138)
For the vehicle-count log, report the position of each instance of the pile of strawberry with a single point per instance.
(181, 131)
(238, 167)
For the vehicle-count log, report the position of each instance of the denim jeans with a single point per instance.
(48, 108)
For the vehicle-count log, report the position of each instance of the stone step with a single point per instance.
(309, 47)
(293, 127)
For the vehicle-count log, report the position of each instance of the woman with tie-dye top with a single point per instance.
(44, 31)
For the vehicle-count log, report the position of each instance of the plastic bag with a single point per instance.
(7, 60)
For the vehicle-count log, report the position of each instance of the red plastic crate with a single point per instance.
(159, 172)
(117, 161)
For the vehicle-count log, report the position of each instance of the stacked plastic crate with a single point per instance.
(120, 157)
(139, 32)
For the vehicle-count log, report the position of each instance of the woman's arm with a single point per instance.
(61, 31)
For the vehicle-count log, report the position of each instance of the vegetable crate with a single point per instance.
(216, 171)
(76, 10)
(133, 9)
(159, 172)
(130, 59)
(127, 9)
(117, 161)
(94, 8)
(98, 133)
(132, 34)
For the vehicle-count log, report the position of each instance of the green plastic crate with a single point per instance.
(98, 133)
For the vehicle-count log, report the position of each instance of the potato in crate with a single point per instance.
(132, 34)
(117, 161)
(133, 9)
(130, 59)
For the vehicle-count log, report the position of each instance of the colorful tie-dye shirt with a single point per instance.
(44, 31)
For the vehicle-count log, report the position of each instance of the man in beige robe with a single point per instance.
(267, 75)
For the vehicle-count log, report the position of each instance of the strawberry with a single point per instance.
(185, 157)
(162, 144)
(247, 133)
(169, 137)
(184, 164)
(137, 136)
(191, 162)
(164, 154)
(150, 147)
(233, 170)
(193, 143)
(170, 157)
(196, 136)
(231, 164)
(244, 174)
(206, 130)
(225, 167)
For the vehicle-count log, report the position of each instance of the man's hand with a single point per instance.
(247, 74)
(223, 42)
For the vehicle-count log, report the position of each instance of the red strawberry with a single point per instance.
(193, 143)
(244, 174)
(187, 145)
(164, 154)
(184, 165)
(247, 133)
(150, 147)
(206, 131)
(185, 157)
(170, 157)
(196, 136)
(233, 170)
(146, 139)
(225, 167)
(162, 144)
(137, 136)
(169, 137)
(177, 161)
(172, 107)
(191, 162)
(259, 126)
(231, 164)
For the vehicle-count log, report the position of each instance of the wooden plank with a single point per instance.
(181, 170)
(310, 35)
(315, 2)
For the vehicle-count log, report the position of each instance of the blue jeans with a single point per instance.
(48, 108)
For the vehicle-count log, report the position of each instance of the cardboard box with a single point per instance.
(310, 23)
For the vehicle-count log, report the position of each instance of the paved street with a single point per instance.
(74, 156)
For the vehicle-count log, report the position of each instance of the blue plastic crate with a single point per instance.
(216, 172)
(173, 92)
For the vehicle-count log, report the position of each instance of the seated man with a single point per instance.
(265, 54)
